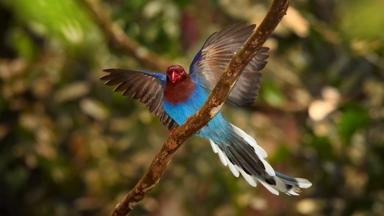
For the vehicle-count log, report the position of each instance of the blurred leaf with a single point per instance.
(352, 119)
(363, 19)
(323, 147)
(72, 91)
(282, 153)
(271, 93)
(62, 19)
(94, 108)
(23, 44)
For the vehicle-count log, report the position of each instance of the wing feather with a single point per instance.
(210, 62)
(146, 89)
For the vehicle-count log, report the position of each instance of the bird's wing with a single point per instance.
(143, 87)
(209, 63)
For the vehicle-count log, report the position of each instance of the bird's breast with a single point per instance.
(179, 92)
(180, 102)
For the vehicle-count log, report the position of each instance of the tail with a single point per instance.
(242, 155)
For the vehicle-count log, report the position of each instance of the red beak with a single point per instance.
(174, 76)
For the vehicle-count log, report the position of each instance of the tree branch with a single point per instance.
(118, 39)
(211, 107)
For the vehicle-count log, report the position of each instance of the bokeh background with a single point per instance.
(71, 146)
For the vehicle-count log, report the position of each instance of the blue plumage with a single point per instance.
(159, 76)
(217, 126)
(181, 111)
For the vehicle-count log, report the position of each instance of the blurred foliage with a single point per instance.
(70, 146)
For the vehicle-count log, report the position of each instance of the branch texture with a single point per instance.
(211, 107)
(118, 39)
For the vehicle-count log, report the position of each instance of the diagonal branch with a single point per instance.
(118, 39)
(211, 107)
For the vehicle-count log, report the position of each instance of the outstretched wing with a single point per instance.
(209, 63)
(142, 86)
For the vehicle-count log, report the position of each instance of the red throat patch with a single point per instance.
(179, 92)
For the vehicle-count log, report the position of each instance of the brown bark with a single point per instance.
(213, 105)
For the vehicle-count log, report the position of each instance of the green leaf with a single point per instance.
(23, 44)
(272, 94)
(363, 19)
(62, 19)
(352, 119)
(282, 153)
(323, 147)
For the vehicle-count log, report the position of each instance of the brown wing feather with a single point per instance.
(216, 54)
(137, 85)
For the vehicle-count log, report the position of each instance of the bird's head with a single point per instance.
(176, 73)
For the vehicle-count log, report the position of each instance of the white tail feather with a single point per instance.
(213, 145)
(251, 181)
(285, 184)
(251, 141)
(269, 187)
(268, 168)
(303, 183)
(224, 159)
(235, 171)
(260, 152)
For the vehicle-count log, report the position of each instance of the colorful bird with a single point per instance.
(176, 95)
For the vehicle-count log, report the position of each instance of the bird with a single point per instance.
(175, 95)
